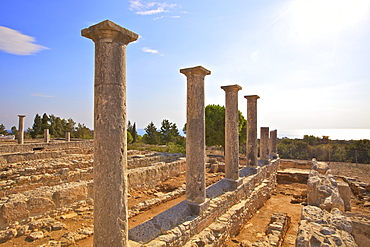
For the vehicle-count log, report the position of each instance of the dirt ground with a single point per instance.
(280, 201)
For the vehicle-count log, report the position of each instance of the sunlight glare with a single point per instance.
(313, 20)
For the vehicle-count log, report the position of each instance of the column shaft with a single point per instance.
(68, 136)
(21, 129)
(46, 136)
(264, 144)
(273, 144)
(231, 132)
(252, 143)
(195, 135)
(110, 150)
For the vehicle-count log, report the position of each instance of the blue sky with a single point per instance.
(307, 60)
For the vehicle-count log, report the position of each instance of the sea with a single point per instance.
(334, 134)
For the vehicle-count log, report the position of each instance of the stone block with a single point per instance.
(143, 233)
(39, 205)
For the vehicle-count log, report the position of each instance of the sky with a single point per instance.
(308, 60)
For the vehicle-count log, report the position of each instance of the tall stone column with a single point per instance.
(110, 148)
(231, 132)
(273, 144)
(21, 129)
(68, 136)
(264, 145)
(195, 138)
(252, 144)
(46, 136)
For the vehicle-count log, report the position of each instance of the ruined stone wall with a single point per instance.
(227, 213)
(6, 149)
(45, 187)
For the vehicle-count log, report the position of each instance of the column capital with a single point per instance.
(251, 97)
(108, 31)
(21, 115)
(231, 88)
(198, 70)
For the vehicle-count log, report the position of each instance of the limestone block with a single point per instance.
(39, 205)
(35, 235)
(70, 194)
(345, 193)
(7, 235)
(143, 233)
(13, 210)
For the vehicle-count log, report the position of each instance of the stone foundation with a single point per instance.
(226, 214)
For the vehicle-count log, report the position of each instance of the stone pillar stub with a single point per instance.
(273, 144)
(231, 132)
(46, 136)
(110, 150)
(21, 129)
(68, 136)
(252, 143)
(195, 137)
(264, 145)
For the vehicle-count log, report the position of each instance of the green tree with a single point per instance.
(36, 127)
(129, 137)
(152, 135)
(168, 132)
(69, 125)
(3, 130)
(14, 131)
(83, 132)
(132, 130)
(215, 125)
(44, 123)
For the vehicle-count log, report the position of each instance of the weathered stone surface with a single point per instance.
(12, 211)
(195, 134)
(7, 235)
(35, 235)
(321, 228)
(252, 144)
(264, 145)
(39, 205)
(231, 132)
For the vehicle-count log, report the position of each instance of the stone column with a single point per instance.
(231, 132)
(195, 139)
(68, 136)
(110, 149)
(252, 144)
(273, 144)
(264, 145)
(46, 136)
(21, 129)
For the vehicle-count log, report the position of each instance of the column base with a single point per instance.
(198, 208)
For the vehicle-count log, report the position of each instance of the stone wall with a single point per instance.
(226, 214)
(30, 191)
(14, 148)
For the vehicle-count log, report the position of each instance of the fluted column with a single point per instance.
(264, 145)
(195, 137)
(46, 136)
(21, 129)
(110, 150)
(252, 144)
(273, 144)
(231, 132)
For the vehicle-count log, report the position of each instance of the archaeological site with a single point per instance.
(73, 192)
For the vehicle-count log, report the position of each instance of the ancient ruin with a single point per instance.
(67, 192)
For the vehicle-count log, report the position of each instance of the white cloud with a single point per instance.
(42, 95)
(149, 50)
(150, 8)
(152, 12)
(13, 42)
